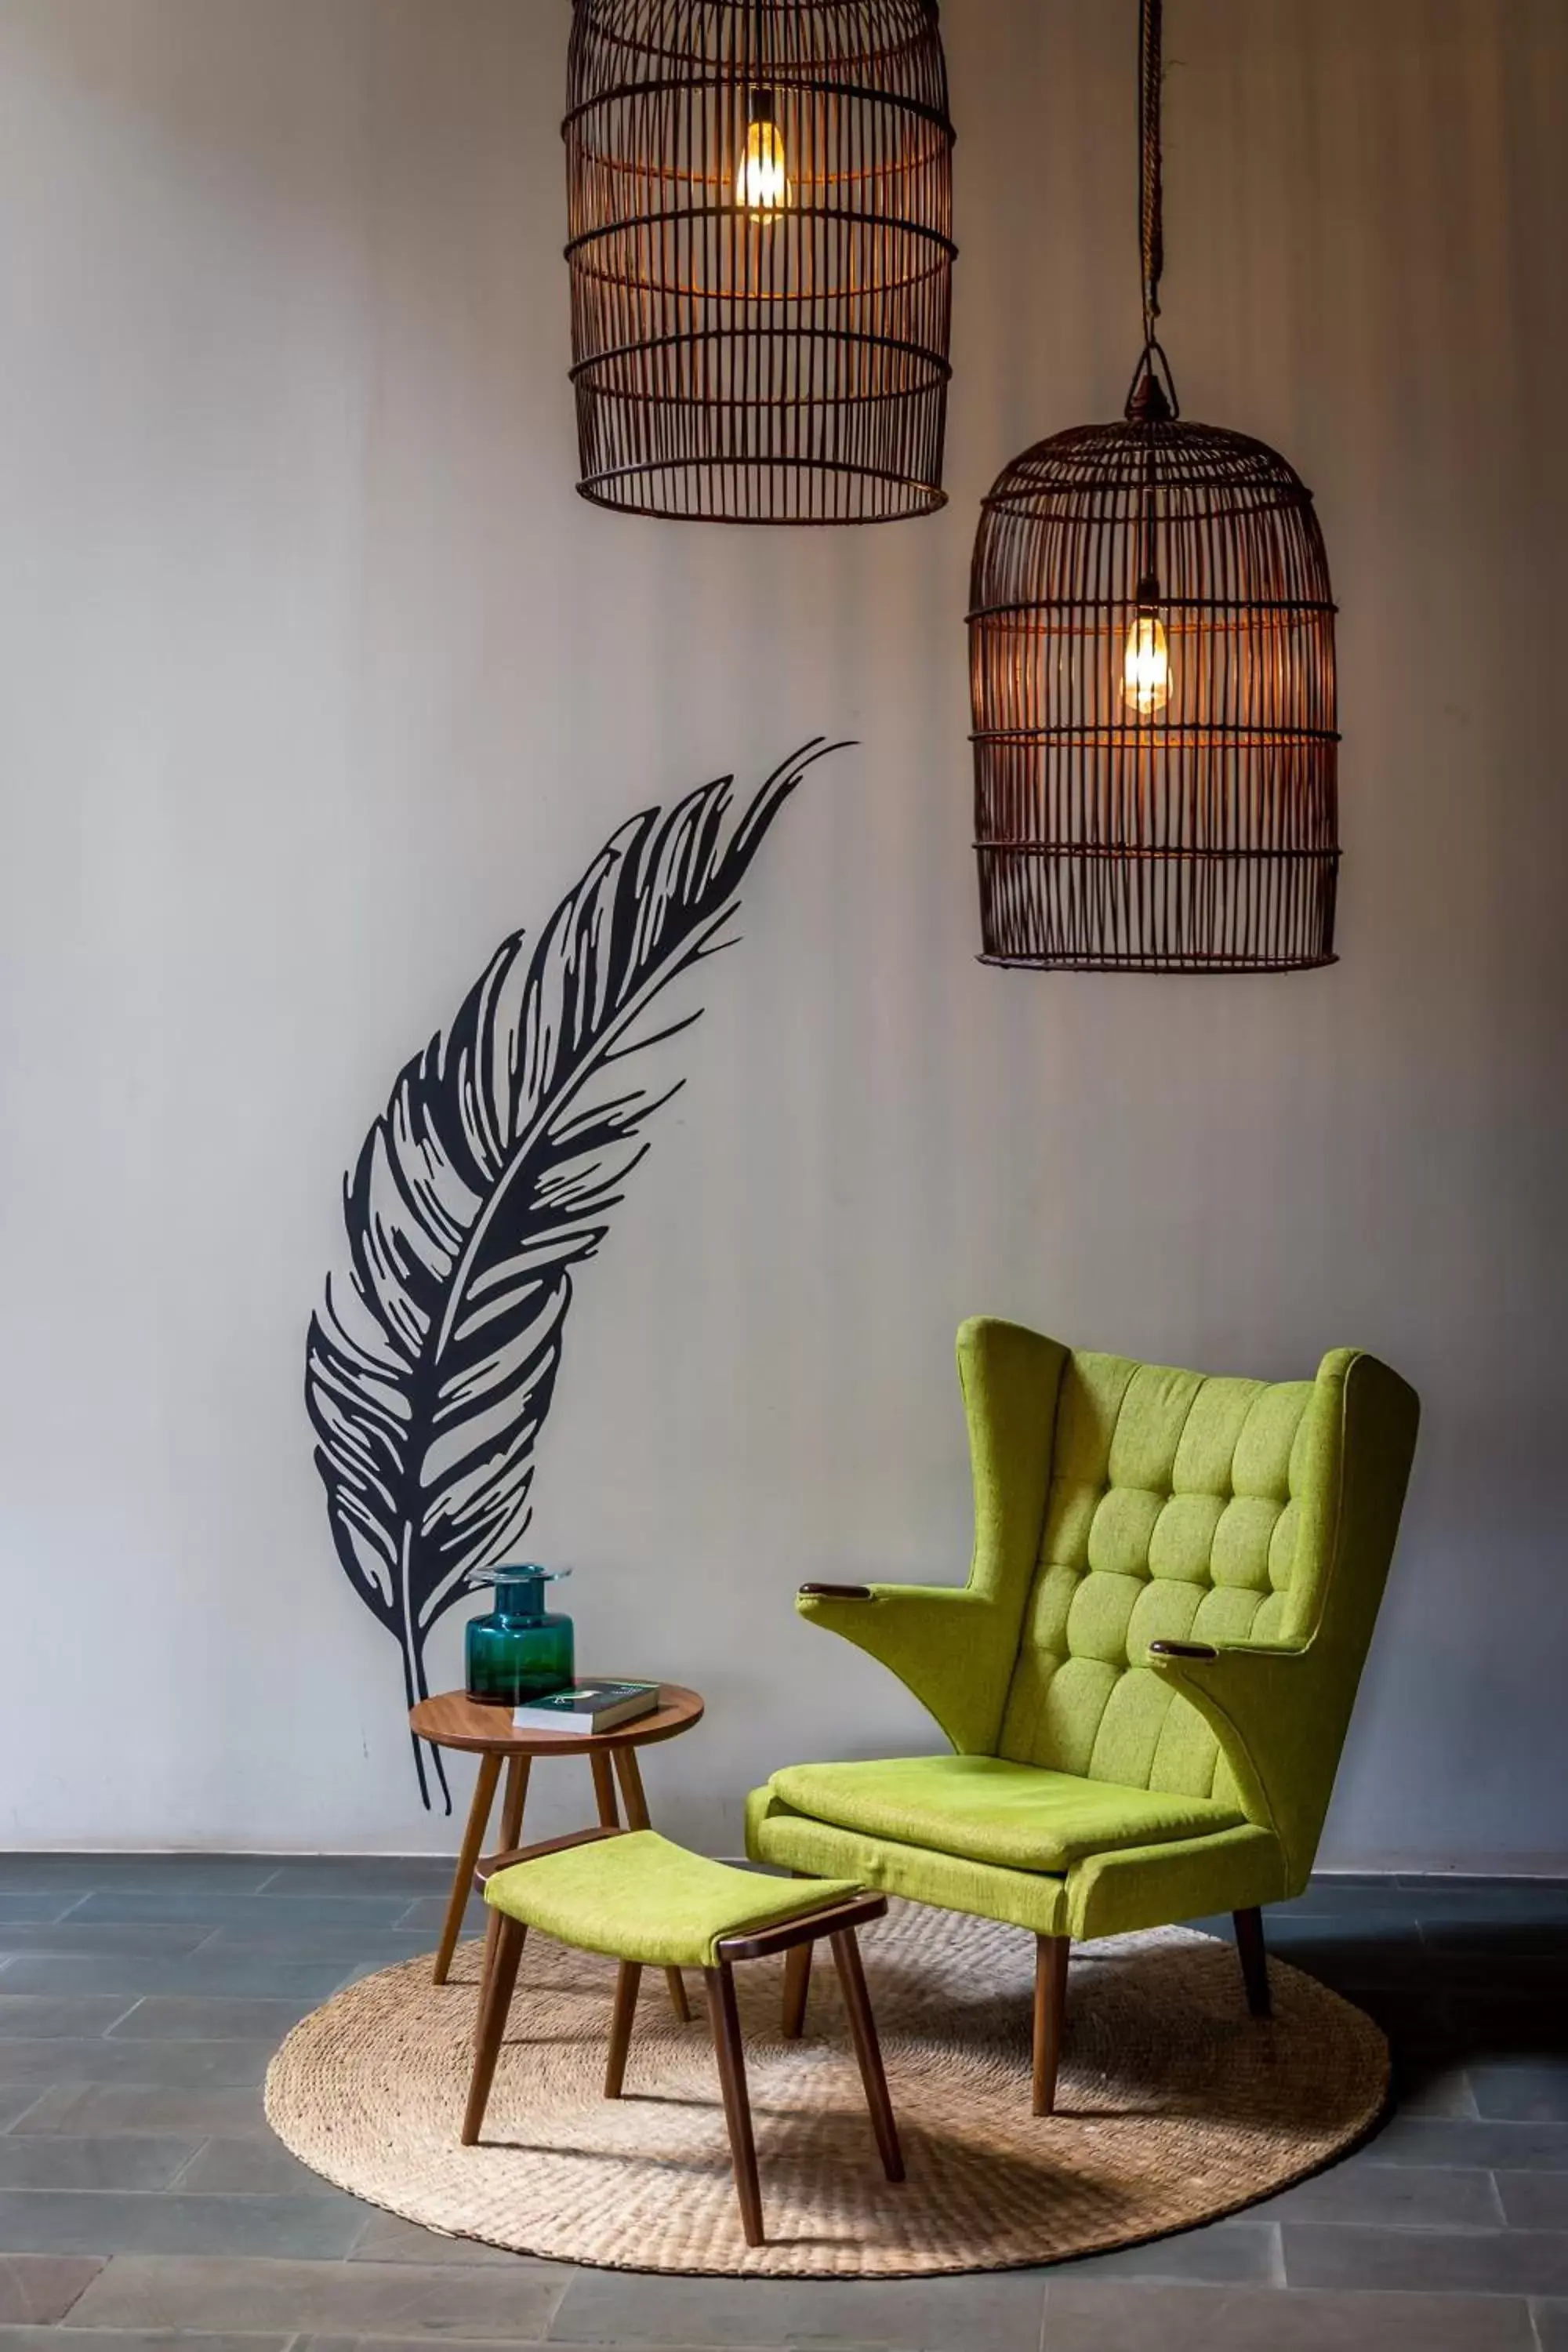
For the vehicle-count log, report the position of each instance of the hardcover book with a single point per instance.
(586, 1708)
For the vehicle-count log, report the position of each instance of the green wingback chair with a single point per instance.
(1146, 1681)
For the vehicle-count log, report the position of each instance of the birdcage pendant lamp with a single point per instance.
(760, 219)
(1152, 669)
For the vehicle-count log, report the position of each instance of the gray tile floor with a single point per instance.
(143, 2202)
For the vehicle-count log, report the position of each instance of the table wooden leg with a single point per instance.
(727, 2049)
(512, 1804)
(517, 1773)
(473, 1840)
(630, 1779)
(604, 1790)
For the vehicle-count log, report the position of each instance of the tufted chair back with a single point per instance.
(1179, 1507)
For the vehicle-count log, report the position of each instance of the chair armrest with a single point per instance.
(1262, 1700)
(953, 1646)
(937, 1639)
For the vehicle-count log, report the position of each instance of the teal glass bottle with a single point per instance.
(519, 1650)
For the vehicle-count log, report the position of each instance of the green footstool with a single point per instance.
(648, 1904)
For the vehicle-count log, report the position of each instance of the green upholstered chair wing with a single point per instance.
(1147, 1680)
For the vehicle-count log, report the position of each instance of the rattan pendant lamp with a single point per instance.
(1152, 668)
(760, 240)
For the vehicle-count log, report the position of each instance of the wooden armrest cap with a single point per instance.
(1183, 1649)
(487, 1865)
(836, 1592)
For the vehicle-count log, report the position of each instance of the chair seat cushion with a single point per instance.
(640, 1897)
(989, 1810)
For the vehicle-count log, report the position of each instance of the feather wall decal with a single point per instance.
(485, 1184)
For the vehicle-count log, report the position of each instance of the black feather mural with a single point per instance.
(485, 1184)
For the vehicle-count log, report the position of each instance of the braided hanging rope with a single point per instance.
(1151, 223)
(1153, 392)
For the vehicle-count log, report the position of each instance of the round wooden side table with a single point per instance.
(453, 1719)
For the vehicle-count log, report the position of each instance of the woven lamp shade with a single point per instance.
(1197, 834)
(787, 363)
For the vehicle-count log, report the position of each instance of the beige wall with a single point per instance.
(315, 678)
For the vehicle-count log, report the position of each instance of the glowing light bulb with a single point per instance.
(1146, 663)
(762, 189)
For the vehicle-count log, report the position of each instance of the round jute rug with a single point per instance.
(1175, 2105)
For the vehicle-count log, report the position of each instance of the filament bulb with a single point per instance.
(1146, 663)
(762, 190)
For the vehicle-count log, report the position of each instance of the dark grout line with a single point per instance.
(64, 2315)
(1422, 1880)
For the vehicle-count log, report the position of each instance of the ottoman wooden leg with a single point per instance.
(496, 2000)
(463, 1884)
(867, 2051)
(636, 1802)
(797, 1985)
(724, 2020)
(627, 1983)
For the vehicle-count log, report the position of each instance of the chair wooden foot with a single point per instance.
(1253, 1954)
(621, 2017)
(724, 2021)
(797, 1985)
(467, 1856)
(1050, 2013)
(500, 1979)
(629, 1774)
(867, 2050)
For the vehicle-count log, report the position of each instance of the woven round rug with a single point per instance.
(1173, 2106)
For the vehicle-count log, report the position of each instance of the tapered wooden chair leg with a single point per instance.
(463, 1883)
(867, 2050)
(1050, 2013)
(1253, 1954)
(495, 2001)
(621, 2017)
(797, 1985)
(724, 2020)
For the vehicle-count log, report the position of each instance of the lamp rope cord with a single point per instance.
(1151, 225)
(1152, 393)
